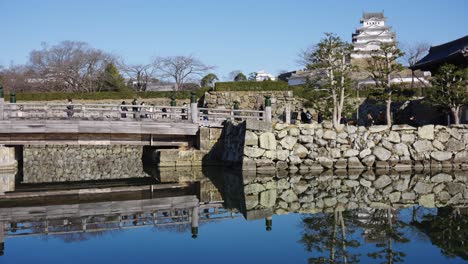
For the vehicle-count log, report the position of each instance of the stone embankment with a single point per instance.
(319, 147)
(312, 193)
(81, 163)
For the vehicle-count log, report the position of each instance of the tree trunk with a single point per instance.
(389, 112)
(456, 114)
(335, 110)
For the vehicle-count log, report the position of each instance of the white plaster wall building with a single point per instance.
(263, 75)
(372, 32)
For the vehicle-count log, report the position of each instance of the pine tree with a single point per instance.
(111, 79)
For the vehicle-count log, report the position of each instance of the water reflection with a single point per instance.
(351, 217)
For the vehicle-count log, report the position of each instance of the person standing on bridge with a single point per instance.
(135, 107)
(70, 108)
(123, 109)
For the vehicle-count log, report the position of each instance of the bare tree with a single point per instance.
(413, 54)
(180, 68)
(70, 65)
(141, 73)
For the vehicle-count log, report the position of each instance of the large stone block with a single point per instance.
(381, 153)
(426, 132)
(268, 141)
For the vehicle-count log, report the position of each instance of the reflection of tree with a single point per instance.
(384, 228)
(448, 229)
(329, 232)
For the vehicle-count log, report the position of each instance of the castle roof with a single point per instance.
(454, 52)
(377, 15)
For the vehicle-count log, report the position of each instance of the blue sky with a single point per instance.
(232, 35)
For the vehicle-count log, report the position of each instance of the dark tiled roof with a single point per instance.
(379, 15)
(455, 52)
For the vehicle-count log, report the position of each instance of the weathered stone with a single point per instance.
(253, 188)
(301, 187)
(294, 160)
(438, 145)
(364, 153)
(393, 137)
(401, 149)
(270, 154)
(330, 202)
(306, 139)
(335, 153)
(282, 154)
(441, 155)
(381, 153)
(426, 132)
(288, 142)
(427, 200)
(354, 163)
(341, 164)
(454, 145)
(351, 129)
(268, 198)
(268, 141)
(251, 201)
(365, 183)
(423, 187)
(422, 146)
(401, 185)
(251, 139)
(408, 138)
(327, 124)
(351, 183)
(369, 160)
(377, 129)
(281, 165)
(325, 162)
(394, 197)
(455, 134)
(453, 187)
(282, 134)
(351, 153)
(281, 126)
(289, 196)
(294, 131)
(252, 152)
(329, 135)
(443, 137)
(300, 151)
(402, 127)
(382, 182)
(409, 196)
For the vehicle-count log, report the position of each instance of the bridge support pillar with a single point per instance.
(8, 166)
(194, 112)
(195, 218)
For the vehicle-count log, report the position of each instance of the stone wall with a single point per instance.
(254, 99)
(8, 160)
(320, 146)
(80, 163)
(327, 192)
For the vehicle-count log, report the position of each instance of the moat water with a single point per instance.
(276, 217)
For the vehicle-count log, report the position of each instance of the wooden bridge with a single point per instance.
(98, 124)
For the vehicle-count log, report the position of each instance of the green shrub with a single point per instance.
(252, 86)
(124, 94)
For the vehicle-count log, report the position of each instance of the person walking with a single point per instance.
(135, 108)
(70, 107)
(123, 110)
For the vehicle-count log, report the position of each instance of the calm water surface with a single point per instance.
(268, 218)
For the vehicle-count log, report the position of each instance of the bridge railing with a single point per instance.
(187, 113)
(215, 116)
(95, 112)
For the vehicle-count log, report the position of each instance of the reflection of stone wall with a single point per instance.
(80, 163)
(311, 193)
(319, 146)
(253, 100)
